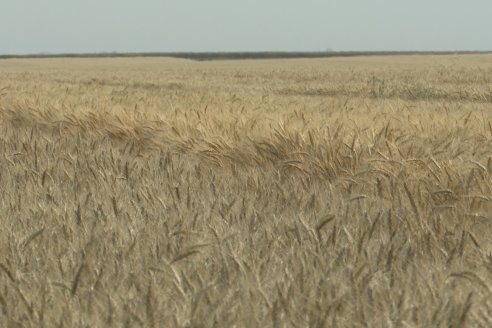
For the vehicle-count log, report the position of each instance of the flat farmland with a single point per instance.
(161, 192)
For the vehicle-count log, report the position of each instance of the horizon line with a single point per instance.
(230, 55)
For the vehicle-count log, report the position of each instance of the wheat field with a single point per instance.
(159, 192)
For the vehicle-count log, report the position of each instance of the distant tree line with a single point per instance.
(242, 55)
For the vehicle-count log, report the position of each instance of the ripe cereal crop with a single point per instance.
(161, 192)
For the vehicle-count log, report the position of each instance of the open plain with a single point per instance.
(160, 192)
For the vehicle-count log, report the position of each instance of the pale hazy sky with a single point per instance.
(63, 26)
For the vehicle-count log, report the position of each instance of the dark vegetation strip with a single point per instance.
(242, 55)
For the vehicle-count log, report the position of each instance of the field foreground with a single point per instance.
(351, 192)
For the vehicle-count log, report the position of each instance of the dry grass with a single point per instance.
(292, 193)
